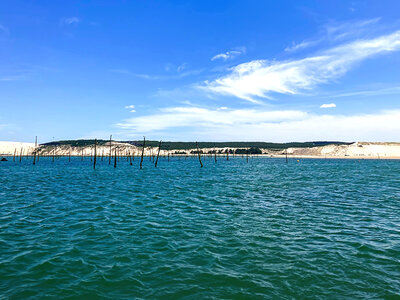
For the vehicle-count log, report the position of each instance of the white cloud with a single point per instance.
(226, 55)
(337, 31)
(298, 46)
(328, 105)
(181, 67)
(131, 108)
(384, 91)
(259, 78)
(179, 75)
(263, 125)
(195, 116)
(70, 20)
(341, 30)
(230, 54)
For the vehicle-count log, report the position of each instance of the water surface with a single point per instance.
(263, 229)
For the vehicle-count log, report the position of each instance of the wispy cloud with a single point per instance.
(384, 91)
(178, 75)
(181, 67)
(301, 45)
(226, 55)
(328, 105)
(259, 78)
(203, 117)
(69, 21)
(341, 30)
(14, 77)
(191, 123)
(131, 108)
(334, 32)
(230, 54)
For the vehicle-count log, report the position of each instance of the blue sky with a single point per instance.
(200, 70)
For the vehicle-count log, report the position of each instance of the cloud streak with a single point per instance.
(229, 54)
(328, 105)
(69, 21)
(190, 123)
(260, 78)
(179, 75)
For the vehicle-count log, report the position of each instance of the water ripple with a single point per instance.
(263, 229)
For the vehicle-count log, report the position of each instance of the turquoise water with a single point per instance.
(263, 229)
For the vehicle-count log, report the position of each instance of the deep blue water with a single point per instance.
(312, 229)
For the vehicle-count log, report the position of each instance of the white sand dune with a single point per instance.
(359, 149)
(355, 150)
(8, 148)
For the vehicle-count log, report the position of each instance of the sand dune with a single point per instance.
(8, 148)
(358, 150)
(355, 150)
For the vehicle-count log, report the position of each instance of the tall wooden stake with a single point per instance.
(286, 156)
(109, 156)
(198, 153)
(15, 151)
(34, 152)
(20, 155)
(95, 154)
(115, 158)
(141, 159)
(158, 154)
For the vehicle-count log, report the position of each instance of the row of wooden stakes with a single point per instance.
(130, 156)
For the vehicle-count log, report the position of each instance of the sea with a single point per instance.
(232, 229)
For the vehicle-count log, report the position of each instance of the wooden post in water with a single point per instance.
(109, 156)
(15, 151)
(227, 154)
(141, 159)
(130, 158)
(34, 152)
(54, 153)
(215, 154)
(69, 154)
(286, 157)
(247, 156)
(115, 158)
(158, 154)
(198, 153)
(20, 155)
(95, 154)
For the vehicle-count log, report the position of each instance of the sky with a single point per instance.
(275, 71)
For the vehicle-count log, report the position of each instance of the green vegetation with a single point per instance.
(75, 143)
(265, 145)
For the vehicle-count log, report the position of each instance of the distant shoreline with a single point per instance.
(319, 150)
